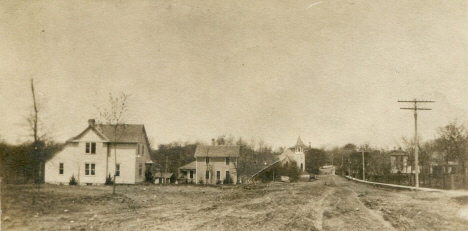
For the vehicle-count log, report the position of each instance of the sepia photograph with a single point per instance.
(234, 115)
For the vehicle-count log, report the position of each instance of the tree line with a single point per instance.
(446, 153)
(254, 155)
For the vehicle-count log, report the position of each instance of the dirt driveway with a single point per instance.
(332, 203)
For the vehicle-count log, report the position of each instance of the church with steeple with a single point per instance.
(295, 153)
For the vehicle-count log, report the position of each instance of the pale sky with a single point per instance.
(330, 71)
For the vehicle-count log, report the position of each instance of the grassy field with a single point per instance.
(331, 203)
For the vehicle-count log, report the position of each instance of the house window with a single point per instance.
(207, 174)
(207, 159)
(191, 174)
(140, 169)
(140, 149)
(117, 170)
(227, 160)
(91, 147)
(61, 168)
(218, 175)
(90, 169)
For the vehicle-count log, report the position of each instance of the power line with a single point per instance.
(416, 109)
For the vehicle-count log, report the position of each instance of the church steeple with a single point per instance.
(299, 141)
(299, 145)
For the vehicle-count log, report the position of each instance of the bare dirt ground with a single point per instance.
(331, 203)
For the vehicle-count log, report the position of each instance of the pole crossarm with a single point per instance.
(412, 108)
(416, 101)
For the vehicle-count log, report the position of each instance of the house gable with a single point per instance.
(90, 135)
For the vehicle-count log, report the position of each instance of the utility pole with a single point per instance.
(341, 167)
(416, 146)
(164, 178)
(363, 166)
(273, 175)
(349, 165)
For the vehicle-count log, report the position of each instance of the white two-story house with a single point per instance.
(215, 164)
(91, 156)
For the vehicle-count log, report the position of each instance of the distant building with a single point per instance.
(90, 156)
(452, 167)
(187, 173)
(327, 170)
(164, 178)
(295, 153)
(215, 164)
(399, 162)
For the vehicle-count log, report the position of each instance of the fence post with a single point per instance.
(464, 179)
(443, 180)
(452, 181)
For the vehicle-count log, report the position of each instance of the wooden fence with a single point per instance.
(438, 181)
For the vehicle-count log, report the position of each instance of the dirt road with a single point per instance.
(331, 203)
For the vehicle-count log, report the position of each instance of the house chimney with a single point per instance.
(213, 142)
(92, 122)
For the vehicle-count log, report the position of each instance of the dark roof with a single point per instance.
(163, 175)
(130, 133)
(299, 141)
(192, 165)
(217, 151)
(398, 153)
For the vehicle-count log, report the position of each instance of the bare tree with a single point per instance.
(115, 117)
(33, 121)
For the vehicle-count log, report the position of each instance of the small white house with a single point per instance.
(90, 156)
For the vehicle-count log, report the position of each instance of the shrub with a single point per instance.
(201, 181)
(73, 181)
(149, 176)
(218, 181)
(109, 180)
(293, 171)
(228, 180)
